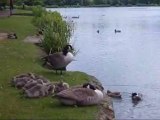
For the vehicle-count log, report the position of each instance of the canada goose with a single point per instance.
(114, 94)
(81, 96)
(29, 84)
(12, 36)
(19, 82)
(136, 97)
(59, 60)
(117, 31)
(36, 91)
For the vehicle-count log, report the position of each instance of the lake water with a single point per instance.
(128, 61)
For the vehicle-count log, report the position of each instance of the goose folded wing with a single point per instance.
(57, 60)
(77, 94)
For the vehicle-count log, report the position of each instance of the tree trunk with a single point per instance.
(11, 6)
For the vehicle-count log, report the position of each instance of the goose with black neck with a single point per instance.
(59, 60)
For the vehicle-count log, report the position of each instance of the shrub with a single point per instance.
(37, 20)
(56, 31)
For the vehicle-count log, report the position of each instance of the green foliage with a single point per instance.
(25, 7)
(38, 12)
(57, 32)
(19, 2)
(29, 2)
(3, 1)
(102, 2)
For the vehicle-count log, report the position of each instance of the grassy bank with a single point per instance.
(18, 57)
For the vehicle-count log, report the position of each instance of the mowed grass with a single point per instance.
(17, 57)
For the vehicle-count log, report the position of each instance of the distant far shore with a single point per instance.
(107, 5)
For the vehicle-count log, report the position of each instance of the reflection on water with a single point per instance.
(128, 61)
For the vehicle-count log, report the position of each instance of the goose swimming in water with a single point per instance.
(136, 97)
(59, 60)
(117, 31)
(81, 96)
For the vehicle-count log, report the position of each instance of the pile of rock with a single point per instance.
(35, 86)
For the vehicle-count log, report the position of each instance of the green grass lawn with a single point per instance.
(17, 57)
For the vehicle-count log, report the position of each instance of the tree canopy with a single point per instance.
(87, 2)
(99, 2)
(29, 2)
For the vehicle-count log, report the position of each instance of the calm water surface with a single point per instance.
(128, 61)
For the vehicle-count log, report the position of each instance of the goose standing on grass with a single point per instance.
(81, 96)
(59, 60)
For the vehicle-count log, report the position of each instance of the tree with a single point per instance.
(132, 2)
(49, 2)
(30, 2)
(58, 2)
(114, 2)
(98, 2)
(11, 6)
(3, 4)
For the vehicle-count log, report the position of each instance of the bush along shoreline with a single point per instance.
(55, 30)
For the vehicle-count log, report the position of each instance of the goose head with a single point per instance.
(88, 85)
(66, 49)
(97, 91)
(136, 97)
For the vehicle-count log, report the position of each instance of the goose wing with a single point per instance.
(57, 60)
(76, 93)
(82, 96)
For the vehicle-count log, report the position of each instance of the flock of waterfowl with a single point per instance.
(34, 86)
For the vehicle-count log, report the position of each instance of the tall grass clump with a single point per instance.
(37, 20)
(56, 31)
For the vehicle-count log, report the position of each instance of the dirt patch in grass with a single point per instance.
(36, 39)
(3, 36)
